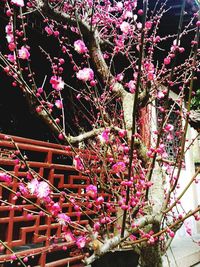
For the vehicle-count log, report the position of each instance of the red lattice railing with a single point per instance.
(32, 236)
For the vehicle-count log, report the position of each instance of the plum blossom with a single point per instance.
(11, 58)
(150, 70)
(119, 167)
(48, 30)
(40, 189)
(125, 27)
(23, 189)
(78, 163)
(9, 33)
(86, 74)
(55, 209)
(167, 60)
(23, 53)
(80, 47)
(169, 127)
(63, 219)
(160, 94)
(131, 86)
(57, 83)
(33, 186)
(59, 104)
(19, 3)
(4, 177)
(69, 237)
(104, 136)
(43, 190)
(91, 191)
(81, 241)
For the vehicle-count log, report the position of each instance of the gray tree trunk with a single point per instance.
(150, 256)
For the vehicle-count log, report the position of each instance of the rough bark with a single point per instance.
(150, 256)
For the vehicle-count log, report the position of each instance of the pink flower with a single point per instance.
(148, 25)
(23, 53)
(119, 167)
(57, 83)
(131, 86)
(169, 127)
(69, 237)
(19, 3)
(85, 74)
(11, 58)
(122, 133)
(43, 190)
(104, 136)
(167, 60)
(23, 189)
(55, 209)
(63, 219)
(48, 30)
(9, 35)
(80, 47)
(40, 189)
(59, 104)
(91, 191)
(160, 94)
(81, 241)
(33, 186)
(78, 163)
(4, 177)
(125, 27)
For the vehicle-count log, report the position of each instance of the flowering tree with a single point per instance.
(134, 187)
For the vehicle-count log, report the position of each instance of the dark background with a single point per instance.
(15, 117)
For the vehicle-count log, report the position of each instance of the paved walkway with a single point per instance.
(183, 253)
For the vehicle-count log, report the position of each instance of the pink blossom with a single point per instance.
(19, 3)
(81, 241)
(131, 86)
(104, 136)
(59, 104)
(129, 14)
(167, 60)
(40, 189)
(23, 53)
(119, 167)
(9, 31)
(96, 226)
(11, 58)
(57, 83)
(63, 219)
(69, 237)
(80, 47)
(43, 190)
(91, 191)
(148, 25)
(55, 209)
(122, 133)
(169, 127)
(119, 6)
(125, 27)
(4, 177)
(160, 94)
(86, 74)
(33, 186)
(23, 189)
(78, 163)
(99, 200)
(48, 30)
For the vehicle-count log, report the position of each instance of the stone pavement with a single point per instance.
(183, 253)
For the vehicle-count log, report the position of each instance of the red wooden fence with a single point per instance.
(33, 236)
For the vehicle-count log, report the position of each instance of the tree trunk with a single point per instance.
(150, 256)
